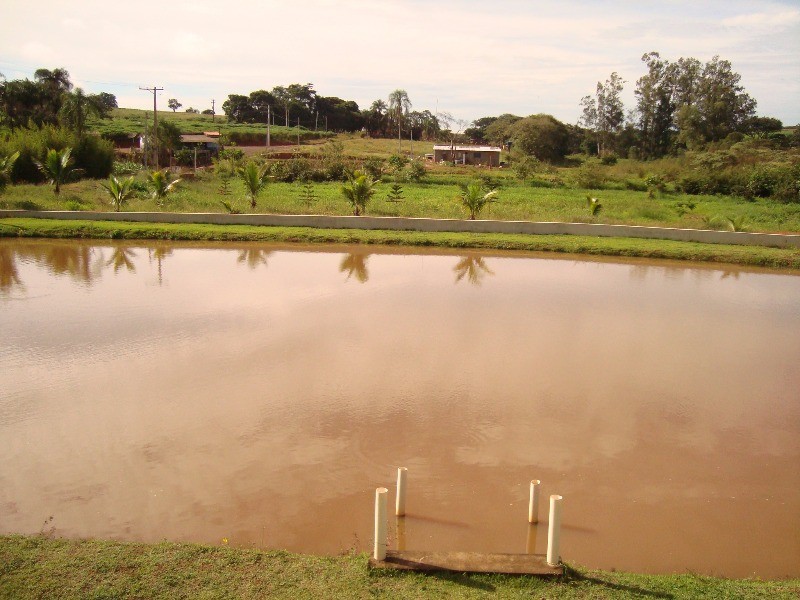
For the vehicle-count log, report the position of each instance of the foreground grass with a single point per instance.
(39, 567)
(628, 247)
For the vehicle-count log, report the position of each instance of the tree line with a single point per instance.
(300, 103)
(680, 105)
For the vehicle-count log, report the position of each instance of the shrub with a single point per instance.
(373, 167)
(609, 159)
(590, 176)
(94, 156)
(126, 167)
(415, 171)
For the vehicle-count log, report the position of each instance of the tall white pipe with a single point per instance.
(379, 552)
(400, 505)
(533, 504)
(554, 531)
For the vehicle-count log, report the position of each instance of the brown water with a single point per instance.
(261, 393)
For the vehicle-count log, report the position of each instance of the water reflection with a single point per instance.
(159, 254)
(253, 257)
(355, 264)
(9, 274)
(122, 257)
(474, 268)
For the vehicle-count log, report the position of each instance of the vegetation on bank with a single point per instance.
(41, 567)
(776, 258)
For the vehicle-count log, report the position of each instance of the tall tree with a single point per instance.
(610, 111)
(655, 105)
(173, 104)
(399, 107)
(77, 106)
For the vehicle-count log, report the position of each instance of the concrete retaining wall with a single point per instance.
(441, 225)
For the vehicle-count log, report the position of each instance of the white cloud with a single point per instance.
(764, 19)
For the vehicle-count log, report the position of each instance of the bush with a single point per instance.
(95, 156)
(590, 176)
(126, 167)
(609, 159)
(185, 157)
(373, 167)
(415, 171)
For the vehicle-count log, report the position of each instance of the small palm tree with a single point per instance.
(6, 166)
(162, 183)
(474, 197)
(594, 205)
(57, 167)
(358, 190)
(119, 191)
(255, 179)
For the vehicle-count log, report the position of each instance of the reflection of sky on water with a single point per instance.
(259, 389)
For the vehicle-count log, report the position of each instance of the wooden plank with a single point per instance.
(467, 562)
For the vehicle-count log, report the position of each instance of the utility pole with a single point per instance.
(213, 114)
(268, 117)
(154, 89)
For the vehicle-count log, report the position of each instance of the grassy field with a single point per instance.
(775, 258)
(131, 120)
(39, 567)
(437, 198)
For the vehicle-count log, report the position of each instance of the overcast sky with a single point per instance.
(469, 58)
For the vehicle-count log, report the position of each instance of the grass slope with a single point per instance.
(39, 567)
(627, 247)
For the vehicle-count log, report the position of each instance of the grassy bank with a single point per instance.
(39, 567)
(627, 247)
(436, 198)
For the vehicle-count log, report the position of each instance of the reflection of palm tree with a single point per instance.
(121, 257)
(253, 257)
(474, 267)
(355, 264)
(9, 276)
(159, 253)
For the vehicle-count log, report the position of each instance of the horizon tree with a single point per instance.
(173, 104)
(399, 107)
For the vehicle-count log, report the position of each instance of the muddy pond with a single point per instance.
(259, 394)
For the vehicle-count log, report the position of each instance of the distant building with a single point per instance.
(467, 155)
(206, 141)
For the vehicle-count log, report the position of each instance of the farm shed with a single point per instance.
(467, 155)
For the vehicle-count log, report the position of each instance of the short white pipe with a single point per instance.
(400, 505)
(554, 531)
(401, 533)
(379, 552)
(533, 504)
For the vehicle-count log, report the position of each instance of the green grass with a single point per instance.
(131, 120)
(627, 247)
(39, 567)
(436, 198)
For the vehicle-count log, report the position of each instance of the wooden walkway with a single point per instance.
(467, 562)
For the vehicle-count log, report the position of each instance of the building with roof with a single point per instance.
(467, 155)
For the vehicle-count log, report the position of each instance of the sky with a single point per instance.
(467, 58)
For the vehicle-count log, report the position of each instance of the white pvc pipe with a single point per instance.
(400, 505)
(379, 552)
(554, 531)
(533, 504)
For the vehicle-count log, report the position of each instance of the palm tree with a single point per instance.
(253, 257)
(119, 191)
(122, 257)
(399, 106)
(474, 198)
(255, 179)
(77, 106)
(355, 264)
(57, 167)
(6, 166)
(162, 183)
(359, 189)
